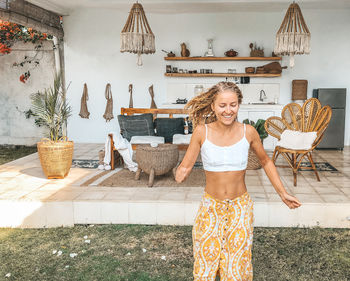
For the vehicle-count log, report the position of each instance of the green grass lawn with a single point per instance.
(115, 252)
(12, 152)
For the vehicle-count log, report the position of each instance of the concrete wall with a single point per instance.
(15, 96)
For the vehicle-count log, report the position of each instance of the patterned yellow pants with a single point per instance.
(222, 239)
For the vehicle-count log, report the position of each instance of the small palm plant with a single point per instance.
(259, 126)
(51, 110)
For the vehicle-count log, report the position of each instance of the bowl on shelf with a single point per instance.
(231, 53)
(250, 69)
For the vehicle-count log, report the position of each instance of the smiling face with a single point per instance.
(226, 107)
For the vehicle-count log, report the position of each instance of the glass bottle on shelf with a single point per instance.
(198, 89)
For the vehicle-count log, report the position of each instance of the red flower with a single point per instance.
(4, 49)
(22, 78)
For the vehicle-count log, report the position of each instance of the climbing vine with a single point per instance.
(10, 33)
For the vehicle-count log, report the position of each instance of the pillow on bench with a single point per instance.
(136, 125)
(297, 140)
(146, 139)
(167, 127)
(182, 139)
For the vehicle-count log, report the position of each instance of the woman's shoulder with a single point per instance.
(199, 132)
(200, 129)
(251, 132)
(248, 127)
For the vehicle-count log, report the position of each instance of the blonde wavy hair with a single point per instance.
(199, 107)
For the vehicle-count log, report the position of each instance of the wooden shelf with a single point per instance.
(223, 58)
(220, 75)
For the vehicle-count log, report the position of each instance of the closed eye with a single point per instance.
(223, 105)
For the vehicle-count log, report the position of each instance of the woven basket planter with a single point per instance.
(253, 161)
(55, 157)
(156, 161)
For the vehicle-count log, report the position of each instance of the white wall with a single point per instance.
(15, 96)
(92, 55)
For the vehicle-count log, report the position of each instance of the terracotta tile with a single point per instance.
(330, 198)
(64, 195)
(330, 190)
(91, 195)
(309, 198)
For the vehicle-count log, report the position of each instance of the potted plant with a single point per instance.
(253, 161)
(51, 110)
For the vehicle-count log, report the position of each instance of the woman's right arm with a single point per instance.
(184, 169)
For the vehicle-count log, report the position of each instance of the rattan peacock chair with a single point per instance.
(311, 117)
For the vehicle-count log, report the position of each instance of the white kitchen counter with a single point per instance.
(257, 107)
(262, 106)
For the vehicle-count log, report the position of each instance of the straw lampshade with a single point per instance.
(293, 37)
(137, 36)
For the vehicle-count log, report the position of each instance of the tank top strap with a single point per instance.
(244, 129)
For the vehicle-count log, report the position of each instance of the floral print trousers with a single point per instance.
(222, 239)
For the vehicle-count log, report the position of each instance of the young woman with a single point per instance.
(223, 228)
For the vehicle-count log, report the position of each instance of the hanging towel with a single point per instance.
(109, 107)
(151, 92)
(131, 103)
(84, 112)
(124, 148)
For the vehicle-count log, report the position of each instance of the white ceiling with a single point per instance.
(192, 6)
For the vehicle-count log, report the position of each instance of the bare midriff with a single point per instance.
(225, 185)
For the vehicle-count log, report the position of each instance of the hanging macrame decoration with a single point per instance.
(293, 37)
(84, 112)
(137, 36)
(109, 107)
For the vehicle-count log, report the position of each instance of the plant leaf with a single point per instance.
(51, 109)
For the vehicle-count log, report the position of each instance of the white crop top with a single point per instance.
(217, 158)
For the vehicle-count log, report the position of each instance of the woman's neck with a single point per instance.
(225, 128)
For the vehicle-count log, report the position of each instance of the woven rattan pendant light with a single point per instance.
(137, 36)
(293, 37)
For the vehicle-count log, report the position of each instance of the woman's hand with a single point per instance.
(291, 201)
(181, 174)
(184, 169)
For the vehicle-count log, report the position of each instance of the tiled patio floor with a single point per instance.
(28, 199)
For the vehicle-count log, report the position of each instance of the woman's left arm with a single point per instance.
(270, 168)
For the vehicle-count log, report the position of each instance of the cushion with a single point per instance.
(136, 125)
(297, 140)
(181, 139)
(146, 139)
(167, 127)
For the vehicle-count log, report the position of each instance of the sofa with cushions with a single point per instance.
(142, 126)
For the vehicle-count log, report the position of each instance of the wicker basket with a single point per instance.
(55, 157)
(162, 158)
(299, 89)
(253, 161)
(257, 53)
